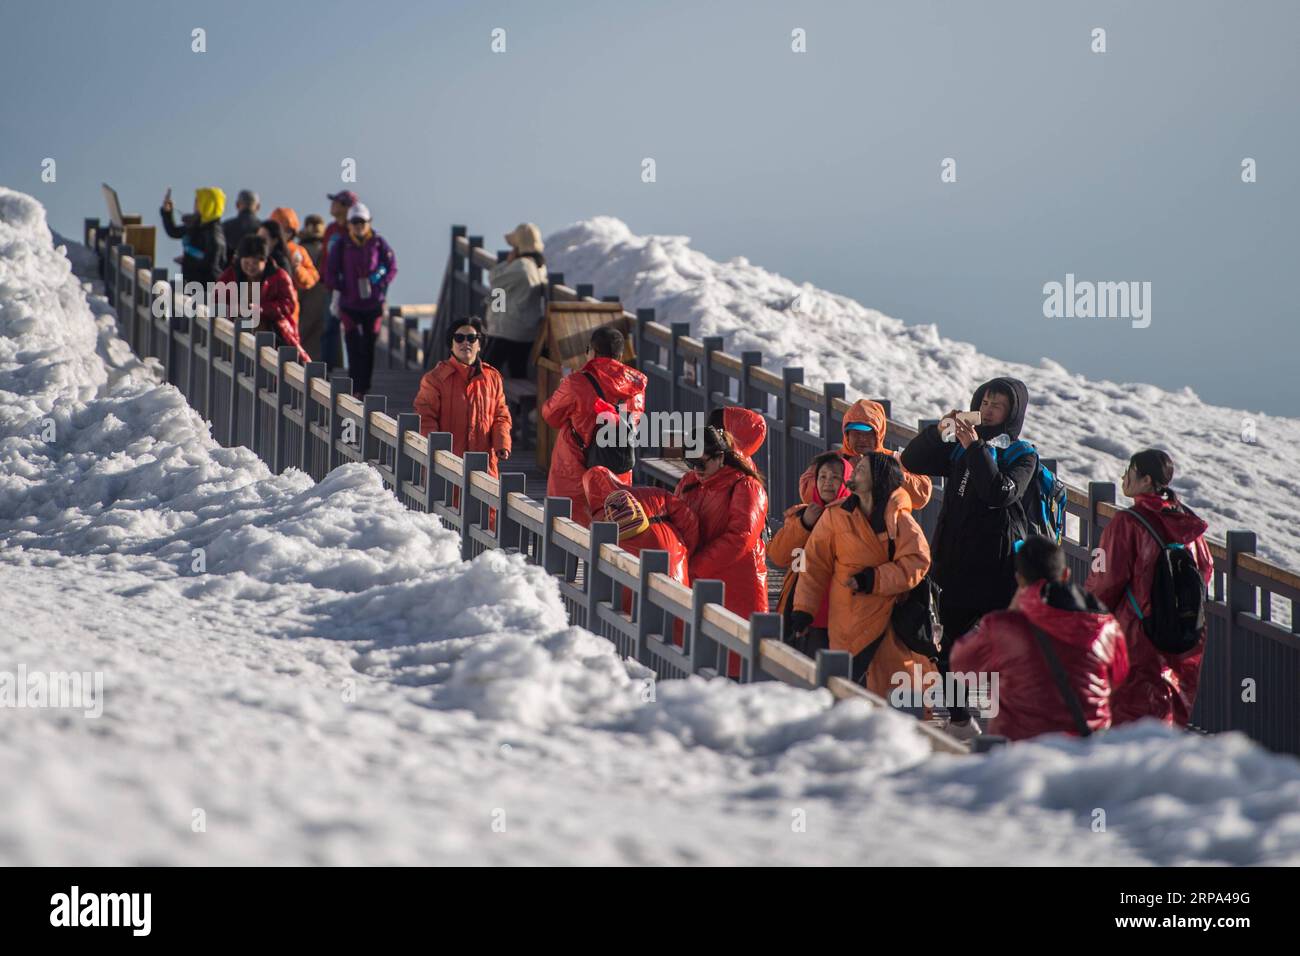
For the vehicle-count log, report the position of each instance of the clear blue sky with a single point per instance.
(822, 166)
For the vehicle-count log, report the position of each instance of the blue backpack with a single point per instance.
(1045, 498)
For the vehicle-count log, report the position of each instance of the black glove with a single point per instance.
(800, 621)
(866, 579)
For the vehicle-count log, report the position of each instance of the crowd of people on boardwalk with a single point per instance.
(860, 573)
(1071, 658)
(320, 287)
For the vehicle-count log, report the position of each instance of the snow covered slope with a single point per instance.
(338, 687)
(1089, 427)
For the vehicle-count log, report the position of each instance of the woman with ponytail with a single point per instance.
(1159, 684)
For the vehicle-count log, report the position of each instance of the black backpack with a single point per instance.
(619, 457)
(915, 616)
(1176, 623)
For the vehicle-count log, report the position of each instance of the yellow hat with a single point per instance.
(210, 202)
(622, 507)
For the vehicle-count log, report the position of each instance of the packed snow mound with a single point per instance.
(1089, 427)
(337, 686)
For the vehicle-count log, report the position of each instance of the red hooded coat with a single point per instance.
(572, 408)
(1159, 685)
(732, 511)
(1089, 645)
(673, 526)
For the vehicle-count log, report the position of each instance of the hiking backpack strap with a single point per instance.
(1159, 541)
(582, 445)
(1062, 682)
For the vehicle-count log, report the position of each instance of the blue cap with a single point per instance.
(858, 427)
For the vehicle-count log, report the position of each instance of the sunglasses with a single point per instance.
(471, 337)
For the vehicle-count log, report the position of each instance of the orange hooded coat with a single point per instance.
(843, 543)
(865, 411)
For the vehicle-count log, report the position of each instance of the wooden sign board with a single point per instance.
(566, 331)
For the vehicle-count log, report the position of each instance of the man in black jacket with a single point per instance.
(981, 518)
(245, 222)
(203, 246)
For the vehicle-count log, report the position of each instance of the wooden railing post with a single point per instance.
(750, 396)
(261, 340)
(338, 386)
(1239, 596)
(643, 318)
(371, 404)
(833, 664)
(471, 509)
(232, 433)
(472, 273)
(831, 436)
(788, 485)
(762, 626)
(1099, 493)
(649, 616)
(553, 556)
(599, 586)
(704, 651)
(585, 290)
(283, 399)
(210, 380)
(313, 371)
(509, 531)
(402, 466)
(675, 362)
(435, 486)
(712, 343)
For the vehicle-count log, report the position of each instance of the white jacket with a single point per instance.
(523, 283)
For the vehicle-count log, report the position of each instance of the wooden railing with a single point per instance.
(290, 415)
(1250, 678)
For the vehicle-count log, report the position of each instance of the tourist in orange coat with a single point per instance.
(864, 430)
(301, 266)
(464, 396)
(868, 552)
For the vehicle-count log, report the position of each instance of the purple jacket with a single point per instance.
(350, 264)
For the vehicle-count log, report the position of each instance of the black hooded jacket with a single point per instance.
(981, 518)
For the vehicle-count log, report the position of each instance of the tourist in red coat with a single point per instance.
(1159, 685)
(1085, 638)
(669, 526)
(573, 408)
(277, 299)
(730, 501)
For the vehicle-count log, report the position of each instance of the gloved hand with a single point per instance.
(864, 581)
(800, 621)
(334, 302)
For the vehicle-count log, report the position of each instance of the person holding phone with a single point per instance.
(981, 518)
(203, 245)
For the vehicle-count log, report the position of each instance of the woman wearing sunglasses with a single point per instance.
(464, 396)
(727, 495)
